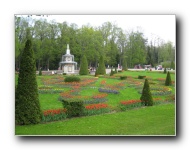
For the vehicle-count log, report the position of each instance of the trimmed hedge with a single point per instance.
(74, 108)
(123, 77)
(72, 79)
(141, 77)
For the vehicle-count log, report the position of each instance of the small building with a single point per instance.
(68, 65)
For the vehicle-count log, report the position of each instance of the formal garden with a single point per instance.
(93, 97)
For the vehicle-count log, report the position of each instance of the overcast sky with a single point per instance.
(153, 26)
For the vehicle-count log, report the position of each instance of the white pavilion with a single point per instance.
(68, 65)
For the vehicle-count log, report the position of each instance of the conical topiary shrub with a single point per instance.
(146, 97)
(168, 81)
(101, 67)
(27, 106)
(165, 70)
(84, 66)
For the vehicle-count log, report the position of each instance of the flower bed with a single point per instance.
(94, 109)
(129, 104)
(108, 91)
(95, 101)
(158, 90)
(48, 90)
(54, 115)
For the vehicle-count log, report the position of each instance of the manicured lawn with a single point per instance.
(155, 120)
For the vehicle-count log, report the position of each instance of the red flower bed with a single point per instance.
(101, 95)
(127, 102)
(53, 112)
(103, 82)
(96, 106)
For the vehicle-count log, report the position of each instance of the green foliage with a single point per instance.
(165, 70)
(101, 67)
(141, 77)
(168, 80)
(111, 73)
(115, 70)
(124, 65)
(172, 66)
(27, 106)
(96, 72)
(123, 77)
(146, 97)
(72, 79)
(84, 66)
(74, 108)
(40, 72)
(166, 64)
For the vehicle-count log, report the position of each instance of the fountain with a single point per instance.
(68, 65)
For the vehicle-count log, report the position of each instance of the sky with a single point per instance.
(160, 27)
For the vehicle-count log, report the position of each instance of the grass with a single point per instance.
(49, 101)
(155, 120)
(152, 74)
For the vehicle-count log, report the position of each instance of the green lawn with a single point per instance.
(155, 120)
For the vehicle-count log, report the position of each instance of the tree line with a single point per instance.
(117, 46)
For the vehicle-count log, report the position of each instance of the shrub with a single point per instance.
(165, 70)
(168, 81)
(27, 106)
(74, 108)
(111, 73)
(64, 73)
(96, 72)
(101, 67)
(40, 72)
(146, 97)
(115, 70)
(172, 65)
(84, 66)
(72, 79)
(123, 77)
(141, 77)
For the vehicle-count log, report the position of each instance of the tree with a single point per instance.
(101, 67)
(136, 49)
(27, 106)
(124, 67)
(83, 66)
(168, 81)
(146, 97)
(172, 66)
(40, 72)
